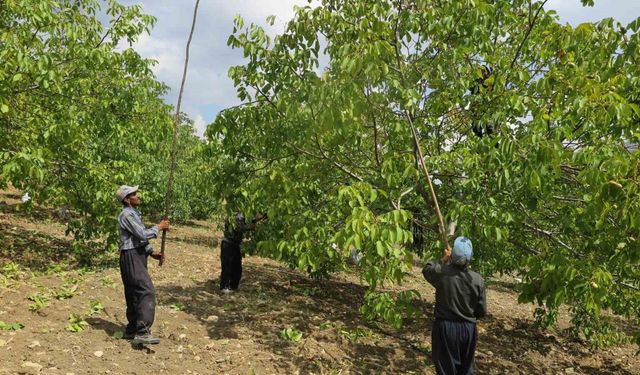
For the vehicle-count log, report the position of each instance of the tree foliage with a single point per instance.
(323, 144)
(82, 113)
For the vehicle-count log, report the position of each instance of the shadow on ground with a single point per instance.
(207, 241)
(325, 311)
(34, 250)
(42, 252)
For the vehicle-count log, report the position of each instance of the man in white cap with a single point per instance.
(139, 292)
(460, 301)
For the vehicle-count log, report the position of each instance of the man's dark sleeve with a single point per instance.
(481, 306)
(432, 272)
(241, 224)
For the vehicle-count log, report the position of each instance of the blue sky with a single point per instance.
(208, 89)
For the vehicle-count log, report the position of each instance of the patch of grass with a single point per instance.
(64, 292)
(54, 269)
(40, 301)
(71, 280)
(10, 270)
(95, 307)
(10, 326)
(107, 282)
(76, 323)
(356, 334)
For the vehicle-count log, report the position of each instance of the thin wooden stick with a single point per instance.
(176, 121)
(441, 227)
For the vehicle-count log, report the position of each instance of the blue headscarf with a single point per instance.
(462, 251)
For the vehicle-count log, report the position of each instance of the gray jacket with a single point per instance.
(133, 233)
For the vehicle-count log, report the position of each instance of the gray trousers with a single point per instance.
(139, 292)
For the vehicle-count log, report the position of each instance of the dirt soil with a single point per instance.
(206, 332)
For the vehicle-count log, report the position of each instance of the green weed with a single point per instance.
(76, 323)
(95, 307)
(176, 306)
(107, 282)
(10, 327)
(40, 301)
(291, 334)
(10, 270)
(356, 334)
(64, 292)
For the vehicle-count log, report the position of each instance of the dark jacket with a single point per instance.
(460, 294)
(235, 233)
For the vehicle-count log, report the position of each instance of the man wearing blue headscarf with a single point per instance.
(460, 301)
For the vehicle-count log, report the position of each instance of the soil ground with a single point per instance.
(206, 332)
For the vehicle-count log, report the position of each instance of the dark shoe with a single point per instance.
(145, 338)
(128, 335)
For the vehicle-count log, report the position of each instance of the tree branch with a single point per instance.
(532, 23)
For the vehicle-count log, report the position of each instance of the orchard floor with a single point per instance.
(206, 332)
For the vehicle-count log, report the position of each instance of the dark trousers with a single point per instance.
(453, 345)
(138, 290)
(231, 265)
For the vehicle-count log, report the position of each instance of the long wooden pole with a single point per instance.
(443, 232)
(416, 141)
(176, 122)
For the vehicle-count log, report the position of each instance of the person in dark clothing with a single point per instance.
(230, 252)
(139, 292)
(460, 301)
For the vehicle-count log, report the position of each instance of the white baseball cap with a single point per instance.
(125, 190)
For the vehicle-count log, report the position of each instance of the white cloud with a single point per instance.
(207, 85)
(573, 12)
(199, 123)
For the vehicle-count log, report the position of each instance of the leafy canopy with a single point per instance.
(323, 144)
(82, 113)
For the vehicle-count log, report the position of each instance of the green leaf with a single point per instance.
(380, 249)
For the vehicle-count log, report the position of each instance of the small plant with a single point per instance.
(72, 280)
(291, 334)
(10, 270)
(64, 292)
(54, 269)
(107, 282)
(95, 307)
(40, 301)
(10, 327)
(324, 326)
(356, 334)
(76, 323)
(5, 281)
(176, 306)
(84, 270)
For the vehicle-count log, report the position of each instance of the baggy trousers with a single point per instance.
(453, 345)
(138, 290)
(231, 265)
